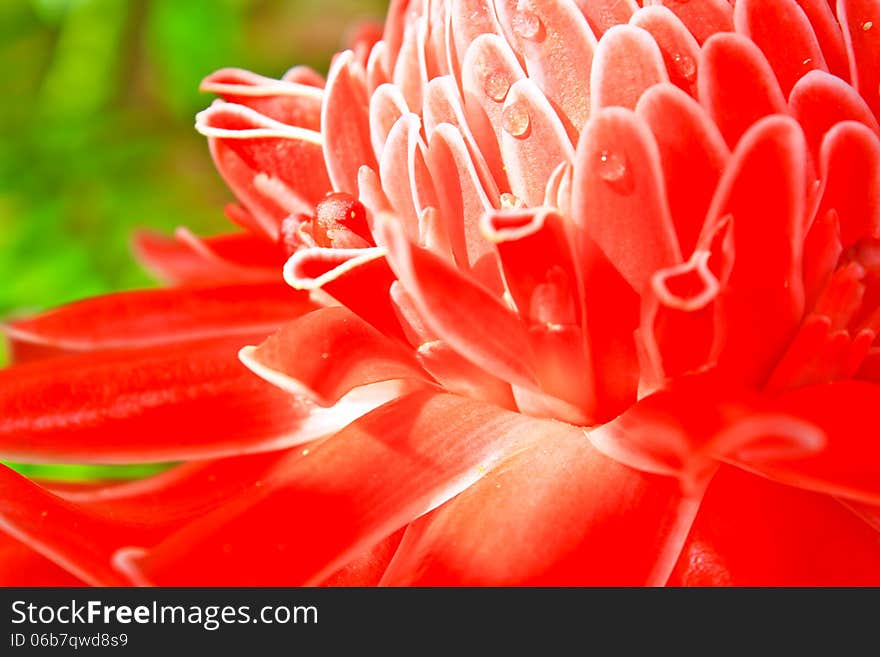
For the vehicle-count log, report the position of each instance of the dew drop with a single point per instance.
(496, 86)
(614, 170)
(526, 24)
(867, 25)
(515, 119)
(807, 61)
(685, 66)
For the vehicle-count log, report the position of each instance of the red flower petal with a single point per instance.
(289, 102)
(152, 317)
(345, 125)
(736, 85)
(345, 495)
(627, 62)
(782, 31)
(849, 464)
(861, 20)
(557, 45)
(827, 31)
(489, 70)
(703, 18)
(763, 190)
(605, 14)
(819, 101)
(752, 532)
(461, 195)
(533, 141)
(187, 260)
(22, 566)
(543, 281)
(160, 403)
(327, 353)
(556, 514)
(82, 543)
(680, 49)
(617, 174)
(850, 161)
(693, 155)
(293, 155)
(360, 279)
(489, 334)
(406, 180)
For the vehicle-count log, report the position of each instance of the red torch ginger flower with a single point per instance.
(584, 292)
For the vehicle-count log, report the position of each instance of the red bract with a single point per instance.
(585, 292)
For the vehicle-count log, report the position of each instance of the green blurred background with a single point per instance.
(96, 119)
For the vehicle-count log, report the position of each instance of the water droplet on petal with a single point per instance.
(613, 169)
(515, 119)
(526, 24)
(807, 61)
(496, 86)
(867, 25)
(685, 66)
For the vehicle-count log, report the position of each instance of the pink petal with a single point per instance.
(345, 125)
(293, 155)
(693, 155)
(557, 45)
(444, 104)
(327, 353)
(489, 334)
(556, 514)
(469, 20)
(680, 49)
(605, 14)
(152, 317)
(460, 194)
(346, 495)
(736, 85)
(404, 173)
(387, 105)
(782, 31)
(533, 141)
(627, 62)
(489, 70)
(376, 73)
(409, 73)
(617, 174)
(703, 18)
(295, 104)
(763, 190)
